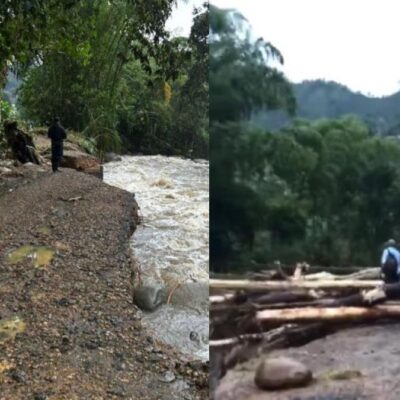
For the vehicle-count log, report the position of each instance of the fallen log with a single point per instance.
(286, 285)
(288, 270)
(369, 273)
(363, 298)
(217, 299)
(328, 314)
(270, 298)
(281, 337)
(252, 337)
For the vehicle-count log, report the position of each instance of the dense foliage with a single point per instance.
(241, 81)
(325, 191)
(111, 71)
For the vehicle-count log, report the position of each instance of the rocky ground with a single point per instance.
(360, 363)
(69, 328)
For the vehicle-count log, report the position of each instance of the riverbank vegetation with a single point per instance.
(111, 71)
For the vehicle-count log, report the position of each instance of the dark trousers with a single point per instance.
(56, 155)
(390, 274)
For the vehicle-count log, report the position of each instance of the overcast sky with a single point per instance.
(354, 42)
(181, 20)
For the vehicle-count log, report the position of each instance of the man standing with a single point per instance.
(390, 262)
(57, 135)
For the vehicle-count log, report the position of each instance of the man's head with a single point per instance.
(56, 119)
(390, 242)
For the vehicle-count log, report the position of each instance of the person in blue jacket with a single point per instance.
(390, 262)
(57, 135)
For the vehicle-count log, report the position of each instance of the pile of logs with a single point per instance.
(273, 310)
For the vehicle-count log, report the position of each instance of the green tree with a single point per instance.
(242, 81)
(136, 85)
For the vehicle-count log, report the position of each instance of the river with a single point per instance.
(171, 245)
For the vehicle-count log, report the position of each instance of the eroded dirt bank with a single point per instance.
(81, 337)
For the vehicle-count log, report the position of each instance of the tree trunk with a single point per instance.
(329, 314)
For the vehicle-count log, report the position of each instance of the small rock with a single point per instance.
(168, 377)
(150, 339)
(65, 340)
(18, 376)
(115, 321)
(91, 345)
(281, 373)
(180, 385)
(148, 298)
(117, 391)
(64, 302)
(39, 396)
(5, 170)
(344, 375)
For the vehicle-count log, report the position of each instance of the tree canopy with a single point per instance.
(110, 70)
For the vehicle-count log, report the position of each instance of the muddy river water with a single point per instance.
(171, 245)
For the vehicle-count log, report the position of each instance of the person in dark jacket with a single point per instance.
(57, 135)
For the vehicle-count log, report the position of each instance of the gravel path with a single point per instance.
(83, 338)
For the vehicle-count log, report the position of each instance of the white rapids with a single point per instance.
(171, 245)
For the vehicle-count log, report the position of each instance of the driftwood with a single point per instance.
(260, 297)
(329, 313)
(216, 299)
(225, 355)
(288, 270)
(299, 284)
(369, 273)
(252, 317)
(251, 337)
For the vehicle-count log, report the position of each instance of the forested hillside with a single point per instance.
(324, 191)
(322, 99)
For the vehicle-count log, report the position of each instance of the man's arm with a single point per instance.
(50, 133)
(384, 256)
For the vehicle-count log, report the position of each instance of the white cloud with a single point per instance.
(352, 42)
(181, 19)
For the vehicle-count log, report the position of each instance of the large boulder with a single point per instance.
(111, 157)
(281, 373)
(80, 161)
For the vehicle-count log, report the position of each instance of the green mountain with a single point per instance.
(321, 99)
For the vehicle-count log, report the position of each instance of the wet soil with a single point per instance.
(79, 334)
(361, 363)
